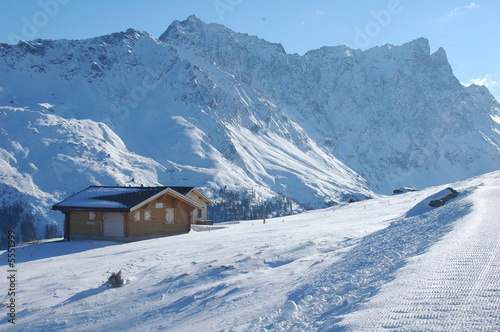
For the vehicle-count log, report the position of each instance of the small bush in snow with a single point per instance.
(115, 280)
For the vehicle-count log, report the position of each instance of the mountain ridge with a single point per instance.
(378, 68)
(229, 112)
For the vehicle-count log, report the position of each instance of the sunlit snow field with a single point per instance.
(389, 263)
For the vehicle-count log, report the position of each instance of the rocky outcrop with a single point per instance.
(442, 201)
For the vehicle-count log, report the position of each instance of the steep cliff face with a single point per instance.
(205, 106)
(394, 114)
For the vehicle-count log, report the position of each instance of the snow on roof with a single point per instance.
(112, 198)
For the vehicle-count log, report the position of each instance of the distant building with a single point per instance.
(132, 213)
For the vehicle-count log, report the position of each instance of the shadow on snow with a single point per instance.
(361, 272)
(39, 251)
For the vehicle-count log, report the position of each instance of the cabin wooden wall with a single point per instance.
(157, 225)
(81, 224)
(194, 215)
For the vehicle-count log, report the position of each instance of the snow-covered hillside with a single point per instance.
(389, 263)
(44, 156)
(233, 114)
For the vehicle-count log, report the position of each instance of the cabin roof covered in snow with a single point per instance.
(120, 199)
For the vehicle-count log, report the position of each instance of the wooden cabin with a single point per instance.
(132, 213)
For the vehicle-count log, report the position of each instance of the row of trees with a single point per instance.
(243, 205)
(16, 216)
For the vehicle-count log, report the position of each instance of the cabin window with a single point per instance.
(200, 213)
(147, 215)
(169, 216)
(92, 215)
(159, 205)
(137, 216)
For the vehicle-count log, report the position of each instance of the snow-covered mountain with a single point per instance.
(202, 105)
(392, 113)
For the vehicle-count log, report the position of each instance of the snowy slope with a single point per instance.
(388, 263)
(463, 269)
(63, 152)
(46, 157)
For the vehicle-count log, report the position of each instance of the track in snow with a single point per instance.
(458, 288)
(374, 287)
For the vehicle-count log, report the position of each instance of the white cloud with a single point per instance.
(456, 11)
(488, 80)
(480, 81)
(473, 5)
(319, 13)
(491, 81)
(461, 10)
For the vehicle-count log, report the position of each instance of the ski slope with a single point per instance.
(453, 287)
(389, 263)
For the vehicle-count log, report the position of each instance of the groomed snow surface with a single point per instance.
(390, 263)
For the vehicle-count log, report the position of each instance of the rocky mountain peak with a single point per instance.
(178, 28)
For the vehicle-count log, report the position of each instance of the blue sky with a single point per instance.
(468, 30)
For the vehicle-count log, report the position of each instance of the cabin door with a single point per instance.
(114, 225)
